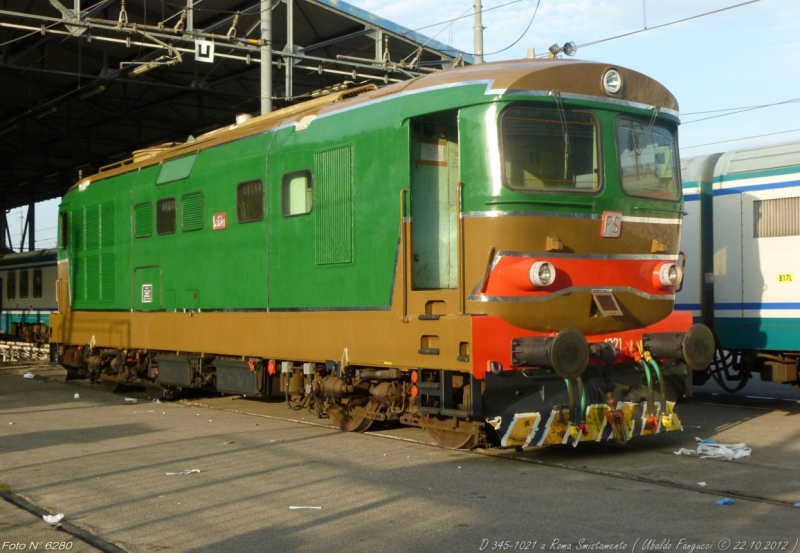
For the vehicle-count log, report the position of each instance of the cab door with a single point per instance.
(435, 173)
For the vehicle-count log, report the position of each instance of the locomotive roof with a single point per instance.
(572, 78)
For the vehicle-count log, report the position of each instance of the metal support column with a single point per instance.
(23, 231)
(266, 57)
(31, 227)
(189, 15)
(4, 233)
(289, 47)
(478, 33)
(378, 45)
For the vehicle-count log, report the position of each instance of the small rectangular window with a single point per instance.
(177, 168)
(11, 285)
(297, 191)
(165, 218)
(23, 283)
(250, 201)
(37, 283)
(64, 234)
(143, 220)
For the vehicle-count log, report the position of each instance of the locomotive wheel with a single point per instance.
(450, 439)
(352, 418)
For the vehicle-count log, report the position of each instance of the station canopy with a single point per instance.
(84, 83)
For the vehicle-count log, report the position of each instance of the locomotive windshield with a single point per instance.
(647, 160)
(549, 150)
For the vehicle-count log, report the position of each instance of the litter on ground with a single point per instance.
(709, 449)
(53, 520)
(187, 471)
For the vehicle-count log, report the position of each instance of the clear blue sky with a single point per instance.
(739, 58)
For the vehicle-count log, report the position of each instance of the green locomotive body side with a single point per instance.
(358, 161)
(406, 254)
(278, 262)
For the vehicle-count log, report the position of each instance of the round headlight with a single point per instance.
(542, 273)
(612, 81)
(669, 274)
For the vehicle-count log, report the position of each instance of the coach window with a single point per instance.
(648, 163)
(165, 218)
(250, 201)
(549, 150)
(297, 193)
(11, 285)
(37, 283)
(23, 283)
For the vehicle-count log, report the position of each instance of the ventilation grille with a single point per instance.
(108, 229)
(334, 206)
(192, 212)
(91, 229)
(778, 217)
(93, 254)
(143, 220)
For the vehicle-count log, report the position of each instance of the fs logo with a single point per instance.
(611, 224)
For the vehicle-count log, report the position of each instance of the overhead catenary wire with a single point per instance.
(734, 111)
(738, 139)
(525, 32)
(738, 108)
(535, 11)
(645, 29)
(465, 15)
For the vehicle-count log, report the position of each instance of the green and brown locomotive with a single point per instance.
(490, 253)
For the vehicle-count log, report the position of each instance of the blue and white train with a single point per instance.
(741, 237)
(27, 295)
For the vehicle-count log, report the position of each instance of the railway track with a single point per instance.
(582, 459)
(649, 468)
(11, 351)
(553, 457)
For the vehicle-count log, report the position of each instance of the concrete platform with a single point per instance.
(106, 462)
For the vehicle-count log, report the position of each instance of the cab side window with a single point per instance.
(297, 193)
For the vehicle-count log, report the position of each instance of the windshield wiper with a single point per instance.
(656, 110)
(562, 116)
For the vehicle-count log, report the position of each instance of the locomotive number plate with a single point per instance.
(611, 224)
(220, 221)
